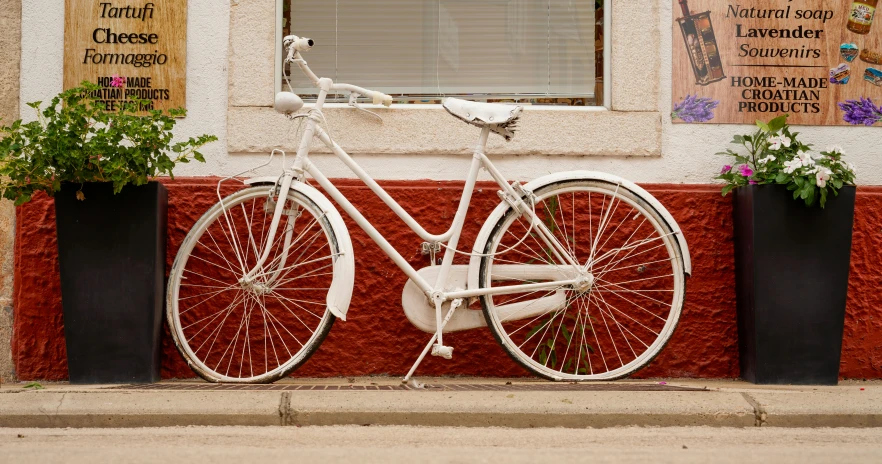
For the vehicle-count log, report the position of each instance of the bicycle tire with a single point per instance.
(576, 309)
(277, 313)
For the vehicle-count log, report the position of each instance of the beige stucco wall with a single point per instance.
(253, 127)
(10, 53)
(230, 69)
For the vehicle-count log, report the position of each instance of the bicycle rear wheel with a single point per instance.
(235, 328)
(602, 331)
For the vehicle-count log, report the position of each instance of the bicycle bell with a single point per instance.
(287, 103)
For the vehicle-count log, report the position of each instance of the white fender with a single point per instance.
(342, 284)
(490, 222)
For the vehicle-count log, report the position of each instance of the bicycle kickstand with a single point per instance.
(438, 349)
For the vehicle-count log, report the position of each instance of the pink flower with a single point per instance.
(822, 176)
(752, 182)
(726, 169)
(117, 81)
(746, 171)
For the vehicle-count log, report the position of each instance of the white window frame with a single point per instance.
(607, 84)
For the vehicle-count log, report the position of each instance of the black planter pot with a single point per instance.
(111, 252)
(791, 265)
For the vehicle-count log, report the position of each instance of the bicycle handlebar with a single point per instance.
(295, 45)
(301, 44)
(379, 98)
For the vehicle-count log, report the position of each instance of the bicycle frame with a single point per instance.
(512, 194)
(302, 165)
(557, 300)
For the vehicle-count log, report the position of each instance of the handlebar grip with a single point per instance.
(382, 98)
(301, 44)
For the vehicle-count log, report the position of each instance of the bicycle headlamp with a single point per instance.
(287, 103)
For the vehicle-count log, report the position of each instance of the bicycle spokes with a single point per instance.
(627, 293)
(244, 320)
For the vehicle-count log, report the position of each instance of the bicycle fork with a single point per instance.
(278, 212)
(283, 188)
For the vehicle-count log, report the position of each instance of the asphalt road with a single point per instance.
(441, 444)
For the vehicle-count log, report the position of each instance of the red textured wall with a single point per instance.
(378, 339)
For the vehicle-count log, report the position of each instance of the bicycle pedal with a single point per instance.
(445, 352)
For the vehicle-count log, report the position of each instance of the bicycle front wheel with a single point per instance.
(606, 327)
(236, 325)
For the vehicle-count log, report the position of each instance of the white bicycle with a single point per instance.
(580, 275)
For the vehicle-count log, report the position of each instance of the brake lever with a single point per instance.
(353, 102)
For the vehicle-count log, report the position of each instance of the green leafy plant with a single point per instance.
(34, 385)
(547, 349)
(775, 156)
(75, 140)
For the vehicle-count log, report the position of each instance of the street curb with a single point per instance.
(725, 407)
(434, 419)
(520, 420)
(131, 420)
(318, 408)
(416, 418)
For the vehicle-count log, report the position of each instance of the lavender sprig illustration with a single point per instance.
(861, 112)
(695, 109)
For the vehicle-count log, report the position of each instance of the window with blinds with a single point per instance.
(544, 52)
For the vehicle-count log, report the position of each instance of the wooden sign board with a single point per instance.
(144, 41)
(737, 62)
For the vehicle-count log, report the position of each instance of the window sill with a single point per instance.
(420, 106)
(427, 129)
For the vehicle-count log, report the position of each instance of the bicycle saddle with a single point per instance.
(500, 118)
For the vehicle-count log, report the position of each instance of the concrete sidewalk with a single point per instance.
(465, 402)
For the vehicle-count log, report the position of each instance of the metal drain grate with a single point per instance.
(437, 387)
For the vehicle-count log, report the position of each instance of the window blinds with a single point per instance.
(488, 48)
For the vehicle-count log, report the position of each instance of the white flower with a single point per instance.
(765, 160)
(792, 165)
(806, 159)
(822, 176)
(835, 149)
(776, 141)
(851, 168)
(785, 141)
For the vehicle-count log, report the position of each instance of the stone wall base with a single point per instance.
(378, 339)
(10, 64)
